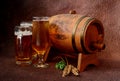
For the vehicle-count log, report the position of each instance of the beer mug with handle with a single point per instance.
(23, 43)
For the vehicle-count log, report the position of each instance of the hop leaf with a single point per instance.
(60, 65)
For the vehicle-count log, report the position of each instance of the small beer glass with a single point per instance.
(23, 43)
(40, 40)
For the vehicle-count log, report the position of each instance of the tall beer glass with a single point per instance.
(40, 40)
(23, 44)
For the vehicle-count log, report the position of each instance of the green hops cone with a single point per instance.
(60, 65)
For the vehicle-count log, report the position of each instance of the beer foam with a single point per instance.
(24, 33)
(26, 24)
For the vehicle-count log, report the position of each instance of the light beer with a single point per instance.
(40, 39)
(40, 36)
(23, 45)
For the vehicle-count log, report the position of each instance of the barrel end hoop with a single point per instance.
(84, 60)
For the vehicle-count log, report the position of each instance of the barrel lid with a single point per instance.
(94, 33)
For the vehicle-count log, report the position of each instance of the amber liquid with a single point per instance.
(40, 39)
(23, 48)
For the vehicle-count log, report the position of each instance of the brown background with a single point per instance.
(107, 11)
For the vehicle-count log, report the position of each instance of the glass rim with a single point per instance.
(41, 18)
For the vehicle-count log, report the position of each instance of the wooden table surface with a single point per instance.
(9, 71)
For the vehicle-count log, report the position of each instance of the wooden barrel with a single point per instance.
(76, 33)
